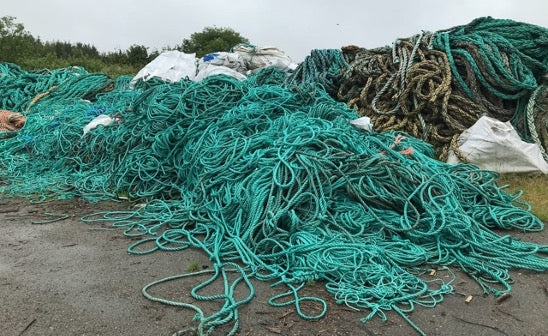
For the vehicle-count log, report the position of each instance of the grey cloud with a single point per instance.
(294, 26)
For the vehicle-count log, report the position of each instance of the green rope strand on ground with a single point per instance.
(58, 217)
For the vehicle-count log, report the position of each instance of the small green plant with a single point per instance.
(123, 195)
(193, 266)
(311, 282)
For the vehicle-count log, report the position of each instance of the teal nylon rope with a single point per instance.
(270, 180)
(436, 85)
(323, 66)
(507, 57)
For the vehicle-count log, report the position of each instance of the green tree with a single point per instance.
(18, 46)
(152, 55)
(8, 27)
(137, 55)
(15, 41)
(86, 50)
(211, 39)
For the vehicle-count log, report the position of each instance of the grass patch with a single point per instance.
(535, 191)
(193, 266)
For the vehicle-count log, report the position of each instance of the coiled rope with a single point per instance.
(272, 182)
(435, 85)
(322, 66)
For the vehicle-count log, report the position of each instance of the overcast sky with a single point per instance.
(295, 26)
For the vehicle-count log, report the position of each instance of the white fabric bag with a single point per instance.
(495, 145)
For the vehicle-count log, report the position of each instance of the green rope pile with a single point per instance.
(323, 66)
(272, 182)
(54, 126)
(20, 88)
(435, 85)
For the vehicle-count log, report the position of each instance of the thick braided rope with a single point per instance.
(271, 182)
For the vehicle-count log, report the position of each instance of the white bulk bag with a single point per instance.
(495, 145)
(171, 66)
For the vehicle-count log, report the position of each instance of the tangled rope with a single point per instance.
(435, 85)
(533, 124)
(20, 88)
(10, 121)
(323, 66)
(272, 182)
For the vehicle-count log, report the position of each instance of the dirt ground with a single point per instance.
(75, 278)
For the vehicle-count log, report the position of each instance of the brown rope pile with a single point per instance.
(409, 88)
(11, 121)
(435, 85)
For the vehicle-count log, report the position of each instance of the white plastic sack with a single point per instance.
(207, 70)
(260, 57)
(171, 66)
(101, 119)
(362, 123)
(230, 60)
(495, 145)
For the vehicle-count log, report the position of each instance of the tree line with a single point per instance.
(19, 46)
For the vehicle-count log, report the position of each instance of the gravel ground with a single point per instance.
(76, 278)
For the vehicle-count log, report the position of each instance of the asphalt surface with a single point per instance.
(76, 278)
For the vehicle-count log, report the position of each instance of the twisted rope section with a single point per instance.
(435, 85)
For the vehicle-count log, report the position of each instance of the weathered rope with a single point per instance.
(434, 86)
(271, 181)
